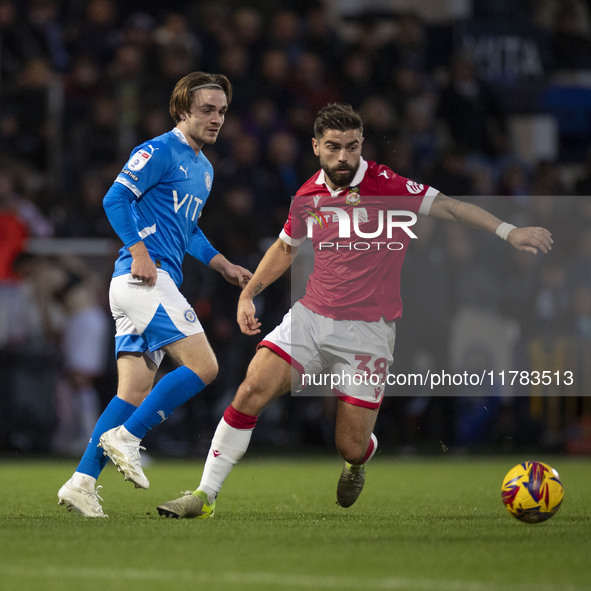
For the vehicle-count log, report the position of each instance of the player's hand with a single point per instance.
(236, 275)
(142, 266)
(531, 239)
(247, 321)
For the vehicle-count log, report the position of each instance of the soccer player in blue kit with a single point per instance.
(154, 206)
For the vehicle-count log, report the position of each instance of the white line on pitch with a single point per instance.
(282, 580)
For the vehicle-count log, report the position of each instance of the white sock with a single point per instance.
(127, 436)
(227, 447)
(84, 481)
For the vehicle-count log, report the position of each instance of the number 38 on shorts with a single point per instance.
(350, 356)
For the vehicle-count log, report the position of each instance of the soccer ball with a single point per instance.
(532, 492)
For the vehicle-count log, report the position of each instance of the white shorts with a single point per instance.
(148, 318)
(353, 354)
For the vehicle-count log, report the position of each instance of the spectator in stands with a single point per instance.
(471, 110)
(408, 46)
(82, 87)
(285, 34)
(102, 126)
(97, 33)
(274, 78)
(10, 46)
(583, 182)
(551, 306)
(248, 25)
(26, 100)
(450, 171)
(546, 179)
(235, 61)
(355, 76)
(84, 216)
(571, 43)
(41, 35)
(68, 296)
(12, 200)
(13, 236)
(245, 163)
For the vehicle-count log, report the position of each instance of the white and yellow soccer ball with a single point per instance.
(532, 492)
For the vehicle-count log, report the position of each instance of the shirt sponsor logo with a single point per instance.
(318, 217)
(190, 201)
(139, 160)
(130, 174)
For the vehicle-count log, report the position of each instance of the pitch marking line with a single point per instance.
(276, 580)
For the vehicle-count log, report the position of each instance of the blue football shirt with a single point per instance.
(158, 197)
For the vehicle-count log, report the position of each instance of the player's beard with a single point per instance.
(340, 175)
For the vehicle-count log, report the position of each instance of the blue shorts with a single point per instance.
(148, 318)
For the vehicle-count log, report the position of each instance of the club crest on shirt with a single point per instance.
(353, 197)
(138, 160)
(190, 316)
(207, 179)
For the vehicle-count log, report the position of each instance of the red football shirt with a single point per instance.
(359, 243)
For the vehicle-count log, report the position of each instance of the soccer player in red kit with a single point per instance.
(359, 217)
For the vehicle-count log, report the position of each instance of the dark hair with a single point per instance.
(182, 95)
(336, 116)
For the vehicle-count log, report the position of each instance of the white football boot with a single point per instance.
(82, 500)
(124, 451)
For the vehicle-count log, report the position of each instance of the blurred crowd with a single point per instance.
(83, 82)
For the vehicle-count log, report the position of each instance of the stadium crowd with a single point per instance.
(444, 102)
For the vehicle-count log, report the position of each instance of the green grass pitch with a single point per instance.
(420, 525)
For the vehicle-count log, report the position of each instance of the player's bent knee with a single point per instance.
(251, 398)
(209, 372)
(248, 390)
(205, 367)
(351, 451)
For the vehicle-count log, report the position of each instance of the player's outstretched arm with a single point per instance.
(276, 261)
(529, 239)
